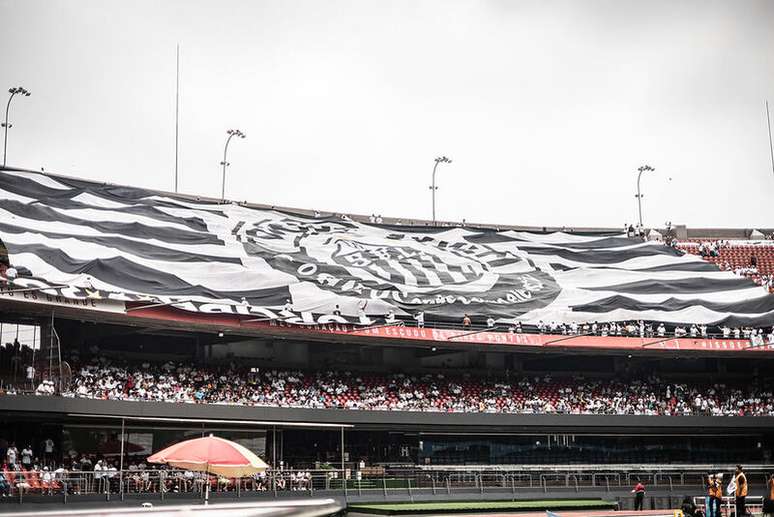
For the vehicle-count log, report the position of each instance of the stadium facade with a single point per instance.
(120, 277)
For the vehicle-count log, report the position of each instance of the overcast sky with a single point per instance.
(546, 107)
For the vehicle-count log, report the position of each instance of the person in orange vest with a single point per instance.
(717, 497)
(714, 496)
(741, 491)
(639, 495)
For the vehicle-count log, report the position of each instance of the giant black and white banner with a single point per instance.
(141, 244)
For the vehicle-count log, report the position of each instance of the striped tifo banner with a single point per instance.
(149, 245)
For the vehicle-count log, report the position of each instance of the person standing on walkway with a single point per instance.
(639, 495)
(740, 480)
(717, 497)
(709, 490)
(714, 496)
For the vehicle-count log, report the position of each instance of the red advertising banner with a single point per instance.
(449, 337)
(248, 319)
(545, 340)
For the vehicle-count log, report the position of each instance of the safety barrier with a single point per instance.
(161, 483)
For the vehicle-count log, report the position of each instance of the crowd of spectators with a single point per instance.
(17, 374)
(15, 358)
(89, 473)
(762, 279)
(756, 336)
(739, 257)
(711, 248)
(640, 328)
(188, 383)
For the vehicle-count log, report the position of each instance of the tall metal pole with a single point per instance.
(274, 448)
(639, 196)
(225, 163)
(5, 124)
(433, 188)
(51, 349)
(177, 109)
(231, 134)
(274, 460)
(121, 461)
(13, 91)
(342, 454)
(59, 358)
(34, 369)
(644, 168)
(771, 146)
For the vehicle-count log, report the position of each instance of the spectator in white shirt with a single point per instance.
(26, 457)
(101, 476)
(47, 477)
(10, 454)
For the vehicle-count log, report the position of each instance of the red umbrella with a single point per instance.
(211, 454)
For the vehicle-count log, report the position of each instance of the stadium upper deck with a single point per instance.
(125, 248)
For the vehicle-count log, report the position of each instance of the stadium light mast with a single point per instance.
(644, 168)
(433, 188)
(231, 134)
(13, 91)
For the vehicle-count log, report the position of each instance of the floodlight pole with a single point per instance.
(13, 91)
(231, 134)
(433, 188)
(644, 168)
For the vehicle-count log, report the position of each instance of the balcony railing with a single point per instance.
(668, 485)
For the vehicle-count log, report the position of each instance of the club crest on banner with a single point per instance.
(445, 273)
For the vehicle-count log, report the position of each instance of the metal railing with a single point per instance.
(528, 328)
(753, 504)
(408, 483)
